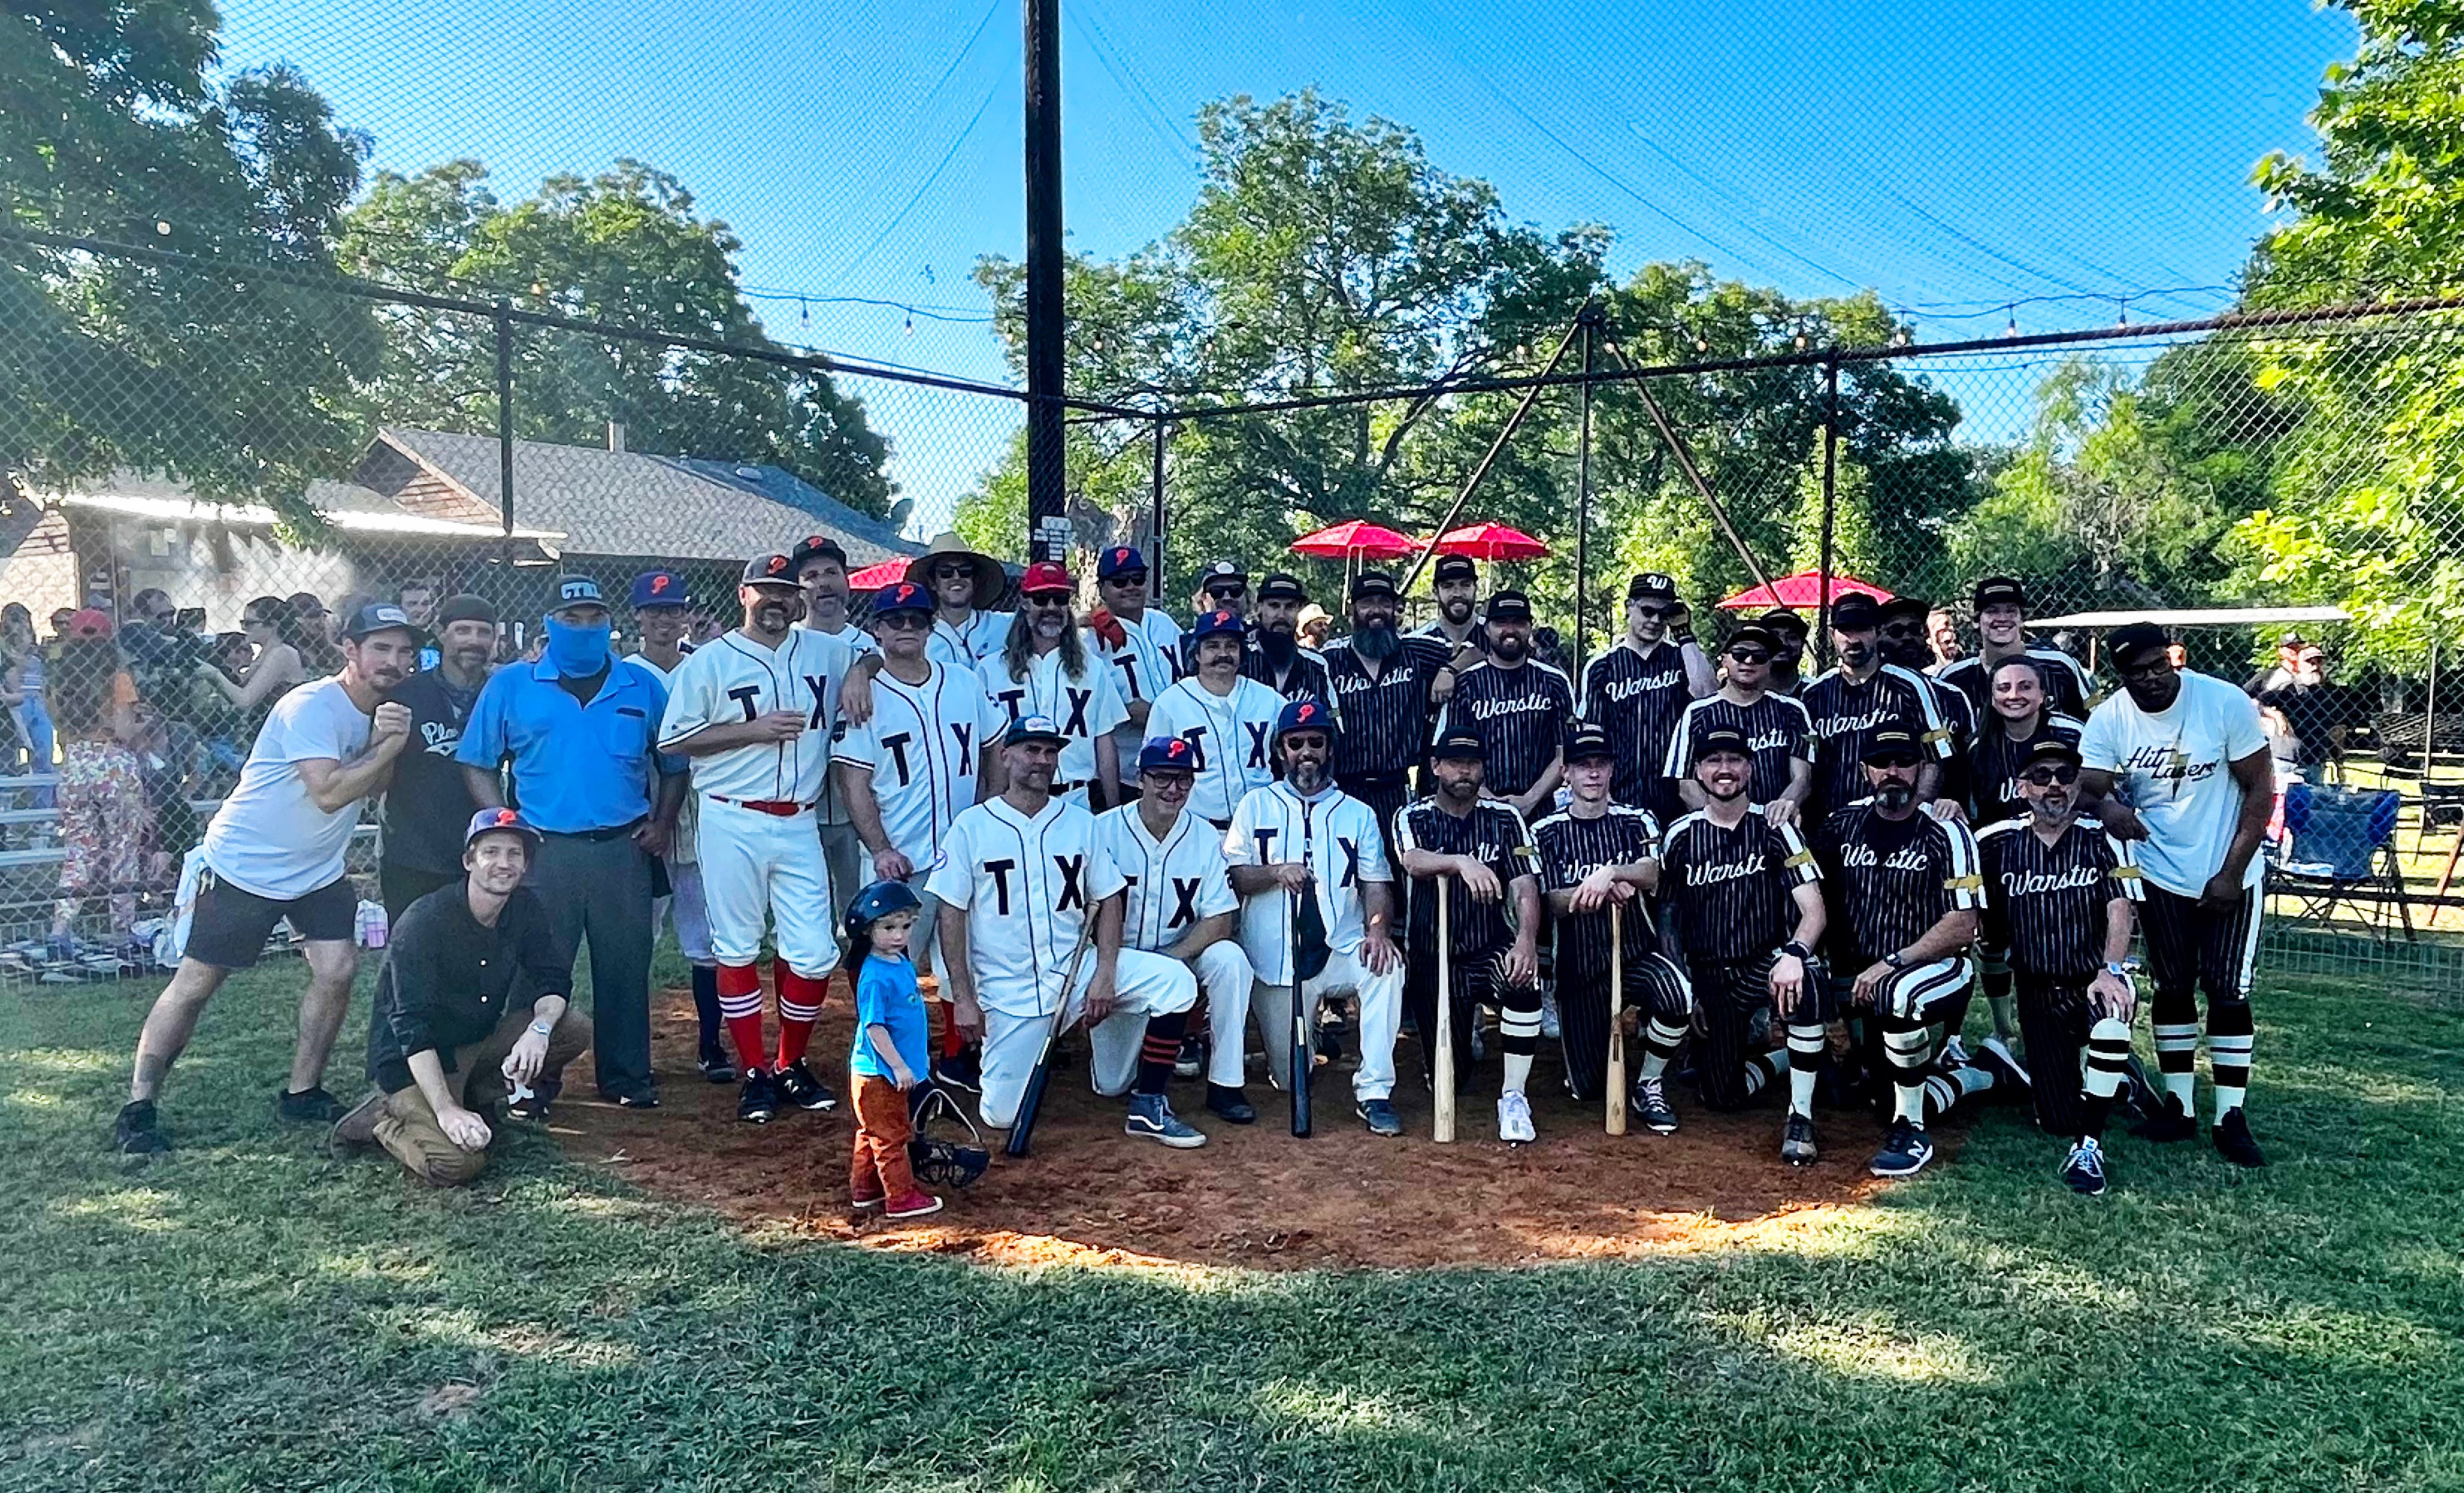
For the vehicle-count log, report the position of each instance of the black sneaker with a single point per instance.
(2084, 1171)
(2141, 1096)
(1230, 1104)
(2231, 1135)
(529, 1105)
(1192, 1059)
(133, 1133)
(308, 1106)
(2167, 1124)
(1905, 1150)
(798, 1086)
(2011, 1082)
(646, 1097)
(1796, 1145)
(1380, 1116)
(759, 1103)
(715, 1064)
(1652, 1108)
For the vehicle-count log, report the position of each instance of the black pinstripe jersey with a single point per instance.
(1845, 716)
(1732, 888)
(1890, 881)
(2046, 903)
(1636, 699)
(1494, 835)
(1304, 680)
(1572, 848)
(1519, 714)
(2067, 682)
(1993, 761)
(1385, 719)
(1959, 726)
(1776, 730)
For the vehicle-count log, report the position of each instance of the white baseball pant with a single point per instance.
(754, 864)
(1381, 1020)
(684, 903)
(1224, 973)
(1147, 984)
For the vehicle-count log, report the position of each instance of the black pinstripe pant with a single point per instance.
(1653, 985)
(2193, 949)
(2054, 1022)
(1728, 992)
(1480, 980)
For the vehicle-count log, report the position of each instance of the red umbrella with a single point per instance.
(1357, 538)
(1490, 541)
(1803, 591)
(872, 577)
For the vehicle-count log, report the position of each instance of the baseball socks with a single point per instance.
(1805, 1041)
(1159, 1051)
(800, 1006)
(740, 1007)
(2108, 1060)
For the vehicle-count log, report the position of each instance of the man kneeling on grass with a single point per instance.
(447, 1035)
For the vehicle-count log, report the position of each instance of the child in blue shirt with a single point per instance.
(889, 1052)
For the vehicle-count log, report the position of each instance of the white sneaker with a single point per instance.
(1514, 1119)
(1953, 1055)
(1549, 1026)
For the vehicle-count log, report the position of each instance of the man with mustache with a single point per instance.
(1225, 718)
(428, 803)
(1275, 657)
(1141, 642)
(1045, 667)
(821, 570)
(1864, 694)
(1387, 685)
(1457, 585)
(755, 711)
(1518, 709)
(1777, 731)
(1637, 690)
(276, 851)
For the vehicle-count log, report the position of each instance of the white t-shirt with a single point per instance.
(2175, 768)
(1229, 734)
(735, 679)
(1083, 706)
(1026, 885)
(270, 837)
(1338, 835)
(1174, 882)
(922, 746)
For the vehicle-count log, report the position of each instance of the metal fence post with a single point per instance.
(505, 431)
(1583, 502)
(1830, 500)
(1154, 561)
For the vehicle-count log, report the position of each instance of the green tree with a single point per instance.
(624, 247)
(238, 383)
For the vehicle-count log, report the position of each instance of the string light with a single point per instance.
(1904, 337)
(2011, 327)
(161, 228)
(911, 327)
(804, 311)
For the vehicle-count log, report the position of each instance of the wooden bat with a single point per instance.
(1304, 1054)
(1030, 1100)
(1442, 1129)
(1617, 1019)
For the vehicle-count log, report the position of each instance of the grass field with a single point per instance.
(246, 1313)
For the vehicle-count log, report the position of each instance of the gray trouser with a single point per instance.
(850, 872)
(600, 889)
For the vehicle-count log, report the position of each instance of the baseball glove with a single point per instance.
(938, 1162)
(1107, 628)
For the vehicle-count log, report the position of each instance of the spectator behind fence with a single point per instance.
(427, 807)
(163, 656)
(103, 794)
(21, 659)
(318, 624)
(2308, 718)
(60, 616)
(277, 851)
(284, 644)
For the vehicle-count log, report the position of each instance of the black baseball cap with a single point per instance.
(1781, 620)
(1225, 573)
(1509, 606)
(1457, 567)
(815, 546)
(1892, 743)
(1374, 583)
(379, 617)
(1998, 592)
(1281, 586)
(1905, 606)
(1460, 745)
(1586, 740)
(1721, 739)
(1855, 611)
(2050, 749)
(465, 608)
(770, 570)
(1652, 585)
(1754, 632)
(2127, 642)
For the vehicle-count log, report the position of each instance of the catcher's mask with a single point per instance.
(937, 1161)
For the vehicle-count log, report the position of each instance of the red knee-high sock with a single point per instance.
(739, 1006)
(800, 1006)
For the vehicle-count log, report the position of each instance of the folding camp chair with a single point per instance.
(2343, 852)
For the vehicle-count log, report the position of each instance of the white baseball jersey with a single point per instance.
(1174, 884)
(1230, 734)
(1339, 838)
(1149, 658)
(736, 679)
(685, 839)
(1026, 885)
(1083, 706)
(980, 639)
(922, 746)
(832, 807)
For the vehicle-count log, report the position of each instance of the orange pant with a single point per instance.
(883, 1127)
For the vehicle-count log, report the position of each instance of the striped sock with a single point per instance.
(1943, 1091)
(1763, 1069)
(1906, 1044)
(1805, 1041)
(1157, 1053)
(2108, 1058)
(2177, 1050)
(800, 1006)
(1518, 1035)
(1660, 1040)
(739, 1006)
(2229, 1035)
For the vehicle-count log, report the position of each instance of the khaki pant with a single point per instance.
(883, 1128)
(409, 1129)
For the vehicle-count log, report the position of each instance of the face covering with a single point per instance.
(577, 652)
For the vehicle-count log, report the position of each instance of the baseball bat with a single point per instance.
(1030, 1099)
(1442, 1127)
(1304, 1056)
(1617, 1019)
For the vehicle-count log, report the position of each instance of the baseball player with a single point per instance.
(966, 587)
(1139, 641)
(1045, 667)
(1517, 706)
(2015, 723)
(1298, 837)
(1777, 730)
(1862, 696)
(1276, 657)
(661, 604)
(821, 571)
(1181, 905)
(1904, 639)
(1029, 874)
(1482, 848)
(1905, 895)
(1637, 691)
(2059, 896)
(754, 711)
(1593, 853)
(2001, 617)
(1226, 720)
(1388, 684)
(1455, 582)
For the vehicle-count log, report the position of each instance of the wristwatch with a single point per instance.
(2115, 970)
(540, 1029)
(1796, 950)
(1894, 960)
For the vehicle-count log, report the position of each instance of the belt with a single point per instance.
(595, 835)
(1058, 787)
(782, 807)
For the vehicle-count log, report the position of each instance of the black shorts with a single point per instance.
(229, 927)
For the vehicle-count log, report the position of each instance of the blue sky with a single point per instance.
(1956, 157)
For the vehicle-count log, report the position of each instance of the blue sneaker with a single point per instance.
(1905, 1150)
(1380, 1116)
(2085, 1169)
(1151, 1117)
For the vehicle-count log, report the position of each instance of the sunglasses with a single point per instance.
(953, 573)
(904, 620)
(2047, 777)
(1642, 611)
(1048, 598)
(1891, 762)
(1750, 656)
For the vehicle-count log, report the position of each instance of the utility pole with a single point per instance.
(1046, 454)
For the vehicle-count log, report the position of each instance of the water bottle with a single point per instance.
(372, 925)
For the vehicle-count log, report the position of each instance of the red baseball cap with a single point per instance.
(91, 623)
(1045, 574)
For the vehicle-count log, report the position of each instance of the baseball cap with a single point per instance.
(1652, 585)
(1303, 715)
(2292, 639)
(1903, 607)
(381, 617)
(499, 821)
(1121, 559)
(1892, 743)
(465, 608)
(92, 622)
(1457, 567)
(1374, 583)
(1166, 755)
(769, 570)
(1587, 740)
(1754, 632)
(2050, 749)
(1032, 728)
(1718, 739)
(1225, 572)
(1785, 623)
(1459, 746)
(815, 546)
(901, 595)
(1855, 611)
(1043, 577)
(1280, 587)
(659, 588)
(577, 591)
(1509, 606)
(1998, 592)
(2133, 639)
(1216, 623)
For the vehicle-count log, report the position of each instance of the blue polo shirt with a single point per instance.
(576, 767)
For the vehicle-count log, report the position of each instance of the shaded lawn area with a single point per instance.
(246, 1313)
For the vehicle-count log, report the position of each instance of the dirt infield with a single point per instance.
(1254, 1195)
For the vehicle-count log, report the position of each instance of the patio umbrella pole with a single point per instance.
(1589, 322)
(1471, 485)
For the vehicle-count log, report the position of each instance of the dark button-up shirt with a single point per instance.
(448, 981)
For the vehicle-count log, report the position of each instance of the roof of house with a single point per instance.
(347, 505)
(634, 503)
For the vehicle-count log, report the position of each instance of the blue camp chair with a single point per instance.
(2343, 852)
